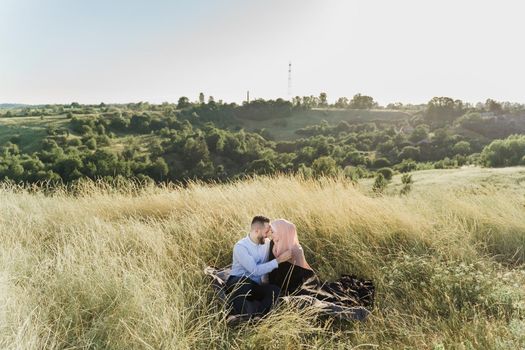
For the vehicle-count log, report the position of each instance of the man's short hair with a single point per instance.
(259, 219)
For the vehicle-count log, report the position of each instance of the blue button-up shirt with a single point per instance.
(251, 259)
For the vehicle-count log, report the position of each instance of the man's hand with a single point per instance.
(285, 256)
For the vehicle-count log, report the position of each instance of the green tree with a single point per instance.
(443, 110)
(419, 133)
(158, 170)
(101, 130)
(15, 170)
(104, 161)
(140, 123)
(387, 173)
(91, 143)
(86, 130)
(493, 106)
(409, 152)
(183, 102)
(195, 150)
(305, 171)
(261, 166)
(407, 165)
(381, 163)
(119, 123)
(324, 166)
(362, 102)
(461, 147)
(68, 168)
(323, 99)
(215, 140)
(342, 102)
(507, 152)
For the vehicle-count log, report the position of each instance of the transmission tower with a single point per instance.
(290, 79)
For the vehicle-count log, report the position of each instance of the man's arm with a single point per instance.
(247, 261)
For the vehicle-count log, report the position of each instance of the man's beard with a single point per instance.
(261, 240)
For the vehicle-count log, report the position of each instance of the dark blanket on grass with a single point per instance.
(348, 298)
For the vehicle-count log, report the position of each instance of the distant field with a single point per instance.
(466, 178)
(284, 129)
(32, 130)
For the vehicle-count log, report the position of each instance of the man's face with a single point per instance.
(264, 231)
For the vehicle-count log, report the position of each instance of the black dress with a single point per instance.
(348, 290)
(287, 276)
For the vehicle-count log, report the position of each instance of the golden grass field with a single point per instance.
(98, 267)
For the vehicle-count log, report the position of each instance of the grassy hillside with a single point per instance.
(31, 130)
(122, 269)
(465, 178)
(284, 129)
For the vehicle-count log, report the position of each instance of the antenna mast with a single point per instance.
(289, 79)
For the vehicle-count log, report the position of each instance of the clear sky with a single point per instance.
(91, 51)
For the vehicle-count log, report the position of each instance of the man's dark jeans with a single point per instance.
(248, 297)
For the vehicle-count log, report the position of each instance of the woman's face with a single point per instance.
(274, 234)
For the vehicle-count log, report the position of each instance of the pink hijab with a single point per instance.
(285, 237)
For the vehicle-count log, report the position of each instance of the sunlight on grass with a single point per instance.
(102, 267)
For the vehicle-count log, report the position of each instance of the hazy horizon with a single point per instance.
(131, 51)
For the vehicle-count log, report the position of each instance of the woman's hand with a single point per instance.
(285, 256)
(297, 254)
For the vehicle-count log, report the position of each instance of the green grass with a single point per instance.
(466, 178)
(32, 130)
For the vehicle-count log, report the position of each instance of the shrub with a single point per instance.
(305, 171)
(354, 173)
(406, 166)
(324, 166)
(91, 143)
(387, 173)
(86, 130)
(507, 152)
(103, 140)
(261, 166)
(406, 180)
(379, 184)
(48, 144)
(446, 163)
(462, 148)
(101, 129)
(15, 139)
(158, 169)
(381, 163)
(409, 152)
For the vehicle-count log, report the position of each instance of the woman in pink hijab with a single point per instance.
(297, 277)
(291, 274)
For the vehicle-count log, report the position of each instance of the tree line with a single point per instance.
(202, 140)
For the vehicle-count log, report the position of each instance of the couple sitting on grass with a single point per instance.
(269, 262)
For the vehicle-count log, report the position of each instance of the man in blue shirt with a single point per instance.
(248, 294)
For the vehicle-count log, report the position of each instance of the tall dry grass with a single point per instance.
(105, 267)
